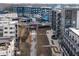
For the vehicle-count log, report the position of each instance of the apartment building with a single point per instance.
(8, 28)
(56, 22)
(70, 18)
(70, 15)
(6, 46)
(8, 25)
(71, 42)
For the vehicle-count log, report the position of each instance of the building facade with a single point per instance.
(71, 42)
(56, 22)
(31, 11)
(7, 46)
(8, 28)
(70, 18)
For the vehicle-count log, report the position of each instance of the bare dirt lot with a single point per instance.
(42, 40)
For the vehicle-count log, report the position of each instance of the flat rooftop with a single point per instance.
(75, 30)
(5, 39)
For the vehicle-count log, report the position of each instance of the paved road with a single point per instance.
(33, 44)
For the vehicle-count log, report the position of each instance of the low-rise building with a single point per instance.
(7, 46)
(70, 18)
(71, 41)
(8, 25)
(8, 28)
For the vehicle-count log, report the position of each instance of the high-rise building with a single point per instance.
(56, 22)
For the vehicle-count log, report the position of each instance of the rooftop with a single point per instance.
(5, 39)
(11, 15)
(71, 6)
(75, 30)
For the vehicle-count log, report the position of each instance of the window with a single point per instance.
(11, 32)
(75, 41)
(74, 49)
(70, 36)
(72, 46)
(11, 28)
(73, 38)
(78, 45)
(5, 32)
(1, 34)
(1, 29)
(68, 14)
(6, 28)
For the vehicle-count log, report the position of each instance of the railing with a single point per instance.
(64, 51)
(69, 40)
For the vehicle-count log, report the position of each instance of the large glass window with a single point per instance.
(20, 9)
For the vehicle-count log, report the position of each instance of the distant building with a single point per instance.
(31, 11)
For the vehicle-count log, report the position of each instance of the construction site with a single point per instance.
(27, 40)
(35, 31)
(33, 41)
